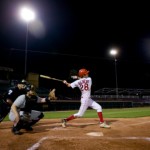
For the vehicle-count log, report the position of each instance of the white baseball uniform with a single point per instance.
(84, 84)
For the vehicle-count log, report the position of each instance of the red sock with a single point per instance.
(70, 118)
(100, 115)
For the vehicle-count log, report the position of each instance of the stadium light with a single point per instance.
(27, 15)
(114, 53)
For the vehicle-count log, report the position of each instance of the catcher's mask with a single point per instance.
(83, 72)
(31, 89)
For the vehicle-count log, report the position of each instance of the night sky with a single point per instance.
(72, 34)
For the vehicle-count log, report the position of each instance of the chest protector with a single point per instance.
(29, 104)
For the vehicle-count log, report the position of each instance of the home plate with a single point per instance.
(95, 133)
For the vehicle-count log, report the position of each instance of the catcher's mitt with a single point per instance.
(51, 95)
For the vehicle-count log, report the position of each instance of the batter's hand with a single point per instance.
(65, 82)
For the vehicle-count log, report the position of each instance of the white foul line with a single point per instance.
(37, 145)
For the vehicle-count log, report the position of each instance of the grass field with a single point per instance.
(107, 113)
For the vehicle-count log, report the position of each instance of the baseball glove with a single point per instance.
(51, 95)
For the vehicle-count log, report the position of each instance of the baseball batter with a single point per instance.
(84, 83)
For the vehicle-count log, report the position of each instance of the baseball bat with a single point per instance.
(48, 77)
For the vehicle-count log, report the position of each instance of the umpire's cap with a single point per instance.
(22, 82)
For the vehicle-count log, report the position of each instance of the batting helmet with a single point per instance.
(83, 72)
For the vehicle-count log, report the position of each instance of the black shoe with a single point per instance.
(15, 131)
(29, 128)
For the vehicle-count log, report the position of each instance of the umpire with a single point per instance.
(9, 97)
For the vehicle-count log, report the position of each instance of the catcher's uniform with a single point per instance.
(24, 106)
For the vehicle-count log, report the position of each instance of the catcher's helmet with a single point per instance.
(30, 88)
(83, 72)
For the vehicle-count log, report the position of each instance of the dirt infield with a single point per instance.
(83, 134)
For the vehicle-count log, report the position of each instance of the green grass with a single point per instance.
(107, 113)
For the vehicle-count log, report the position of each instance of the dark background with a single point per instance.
(77, 34)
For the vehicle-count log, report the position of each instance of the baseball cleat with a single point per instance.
(63, 123)
(104, 125)
(15, 131)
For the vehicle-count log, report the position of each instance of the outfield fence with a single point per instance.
(75, 104)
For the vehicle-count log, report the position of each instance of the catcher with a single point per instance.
(22, 114)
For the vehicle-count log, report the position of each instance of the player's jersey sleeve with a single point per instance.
(39, 99)
(20, 101)
(13, 93)
(10, 93)
(74, 84)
